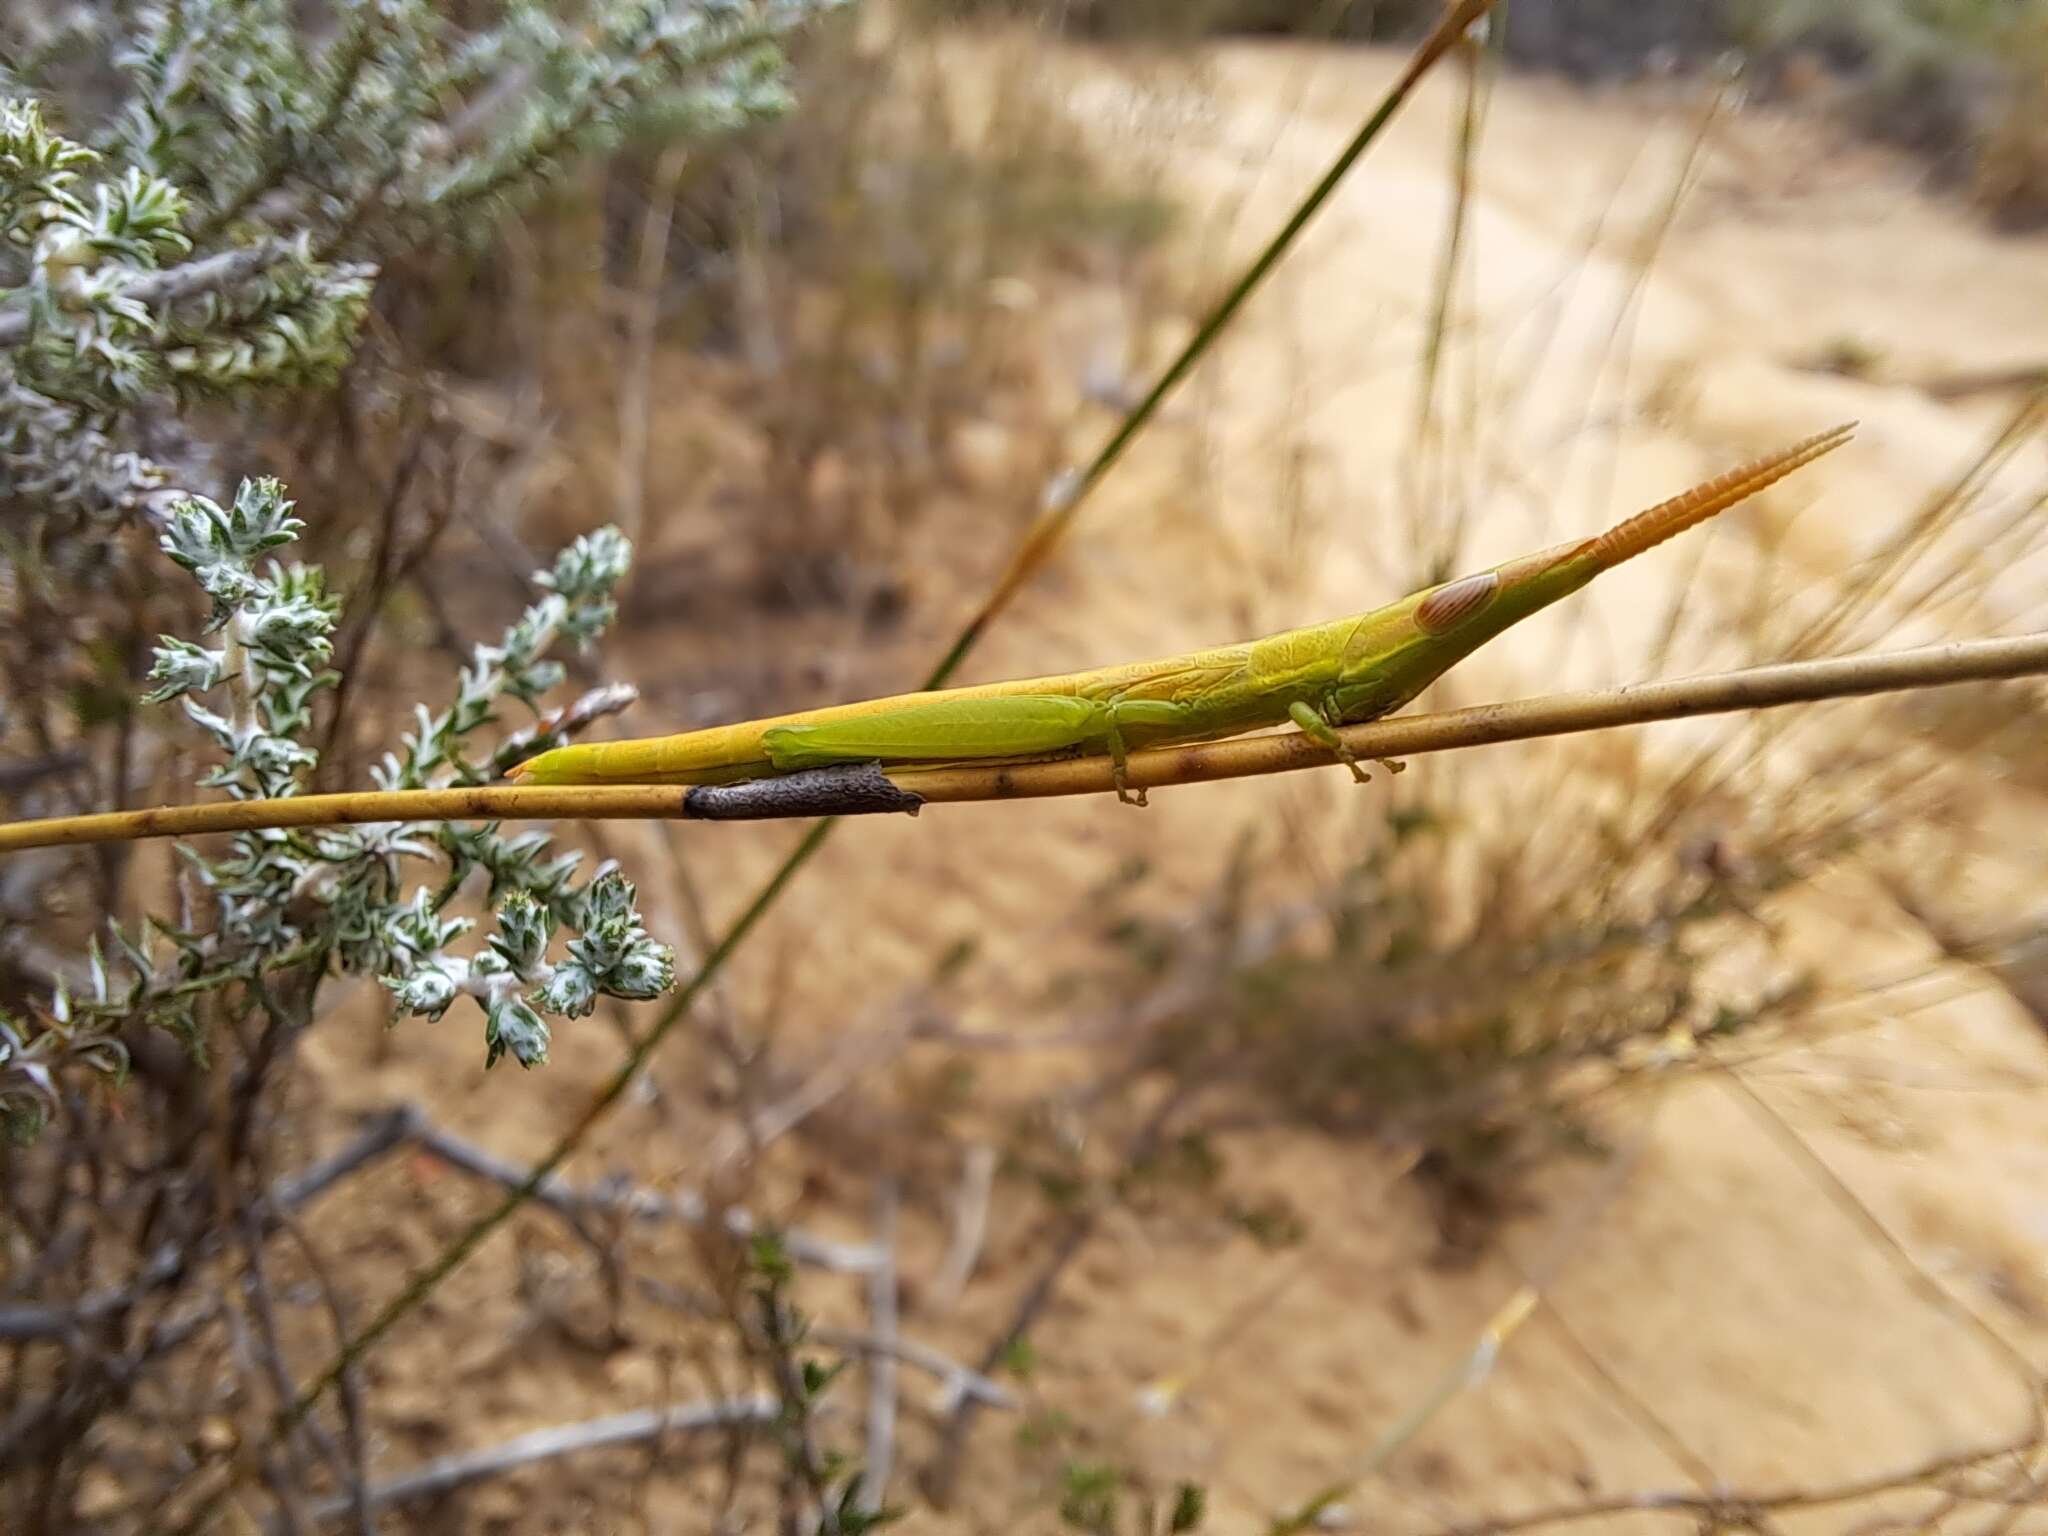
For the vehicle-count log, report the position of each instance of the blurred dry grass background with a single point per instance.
(1196, 1146)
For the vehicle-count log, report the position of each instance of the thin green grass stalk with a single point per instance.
(1488, 66)
(1471, 116)
(1452, 260)
(1036, 545)
(1431, 445)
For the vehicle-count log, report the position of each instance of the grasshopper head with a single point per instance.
(1399, 651)
(1402, 649)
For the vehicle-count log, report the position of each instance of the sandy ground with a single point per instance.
(1718, 1294)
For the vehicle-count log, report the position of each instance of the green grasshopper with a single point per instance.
(1340, 673)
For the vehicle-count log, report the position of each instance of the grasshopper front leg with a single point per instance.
(1323, 734)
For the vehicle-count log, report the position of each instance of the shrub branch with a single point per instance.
(210, 274)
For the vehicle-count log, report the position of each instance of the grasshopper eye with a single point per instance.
(1455, 601)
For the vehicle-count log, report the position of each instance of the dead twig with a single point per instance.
(881, 1425)
(864, 1051)
(457, 1471)
(970, 1227)
(956, 1380)
(687, 1207)
(381, 1136)
(944, 1468)
(286, 1471)
(354, 1438)
(399, 1127)
(1733, 1509)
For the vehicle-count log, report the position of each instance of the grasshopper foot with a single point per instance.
(1117, 764)
(1323, 734)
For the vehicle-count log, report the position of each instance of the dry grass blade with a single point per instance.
(832, 792)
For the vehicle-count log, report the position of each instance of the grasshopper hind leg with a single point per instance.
(1119, 765)
(1156, 714)
(1016, 726)
(1021, 726)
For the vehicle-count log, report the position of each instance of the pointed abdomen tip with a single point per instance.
(1648, 529)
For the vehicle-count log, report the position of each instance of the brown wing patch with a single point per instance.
(1456, 600)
